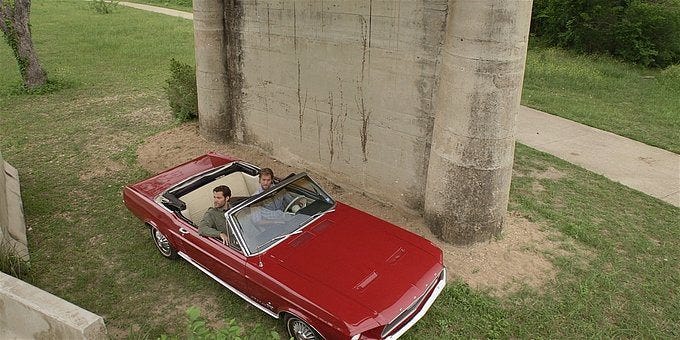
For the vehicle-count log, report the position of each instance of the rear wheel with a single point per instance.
(300, 330)
(162, 243)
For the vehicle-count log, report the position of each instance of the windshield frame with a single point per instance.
(235, 226)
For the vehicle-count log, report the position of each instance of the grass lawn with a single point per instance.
(75, 148)
(631, 101)
(180, 5)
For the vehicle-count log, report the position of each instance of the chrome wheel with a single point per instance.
(163, 244)
(300, 330)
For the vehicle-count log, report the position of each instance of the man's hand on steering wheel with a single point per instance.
(301, 204)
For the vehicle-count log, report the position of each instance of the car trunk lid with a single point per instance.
(153, 186)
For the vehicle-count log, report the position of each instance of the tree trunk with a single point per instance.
(14, 22)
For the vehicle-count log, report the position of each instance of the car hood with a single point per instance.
(364, 259)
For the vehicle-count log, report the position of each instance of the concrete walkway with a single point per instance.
(650, 170)
(161, 10)
(645, 168)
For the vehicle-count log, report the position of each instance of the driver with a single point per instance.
(281, 200)
(266, 180)
(214, 224)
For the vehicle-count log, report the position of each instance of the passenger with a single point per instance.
(214, 224)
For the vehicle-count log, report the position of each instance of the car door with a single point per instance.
(225, 263)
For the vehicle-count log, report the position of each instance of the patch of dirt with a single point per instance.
(536, 187)
(520, 257)
(158, 115)
(549, 173)
(106, 142)
(101, 168)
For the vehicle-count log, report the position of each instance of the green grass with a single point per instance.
(627, 287)
(76, 147)
(631, 101)
(181, 5)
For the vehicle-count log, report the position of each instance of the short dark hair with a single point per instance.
(267, 171)
(223, 189)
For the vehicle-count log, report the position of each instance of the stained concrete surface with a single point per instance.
(651, 170)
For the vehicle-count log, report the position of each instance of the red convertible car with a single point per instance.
(328, 270)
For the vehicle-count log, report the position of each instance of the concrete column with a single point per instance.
(480, 85)
(211, 73)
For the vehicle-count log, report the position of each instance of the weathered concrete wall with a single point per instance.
(12, 225)
(346, 86)
(27, 312)
(352, 88)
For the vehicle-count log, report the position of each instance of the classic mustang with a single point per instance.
(328, 270)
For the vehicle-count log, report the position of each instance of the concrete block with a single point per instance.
(27, 312)
(12, 224)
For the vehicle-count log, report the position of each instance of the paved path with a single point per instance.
(161, 10)
(651, 170)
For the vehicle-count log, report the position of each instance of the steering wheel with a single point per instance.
(292, 203)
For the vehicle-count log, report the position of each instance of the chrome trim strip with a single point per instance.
(435, 293)
(234, 290)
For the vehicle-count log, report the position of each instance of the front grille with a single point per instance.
(414, 307)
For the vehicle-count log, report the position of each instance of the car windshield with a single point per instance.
(281, 212)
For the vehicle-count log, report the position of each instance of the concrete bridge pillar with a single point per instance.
(473, 140)
(211, 80)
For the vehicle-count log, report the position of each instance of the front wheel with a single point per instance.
(163, 244)
(300, 330)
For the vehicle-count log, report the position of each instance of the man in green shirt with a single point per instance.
(214, 224)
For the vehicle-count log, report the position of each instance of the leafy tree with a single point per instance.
(639, 31)
(14, 23)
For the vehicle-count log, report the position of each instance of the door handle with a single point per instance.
(183, 231)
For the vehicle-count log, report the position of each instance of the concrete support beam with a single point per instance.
(27, 312)
(470, 167)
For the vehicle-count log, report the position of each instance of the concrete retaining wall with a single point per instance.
(12, 225)
(27, 312)
(351, 89)
(345, 86)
